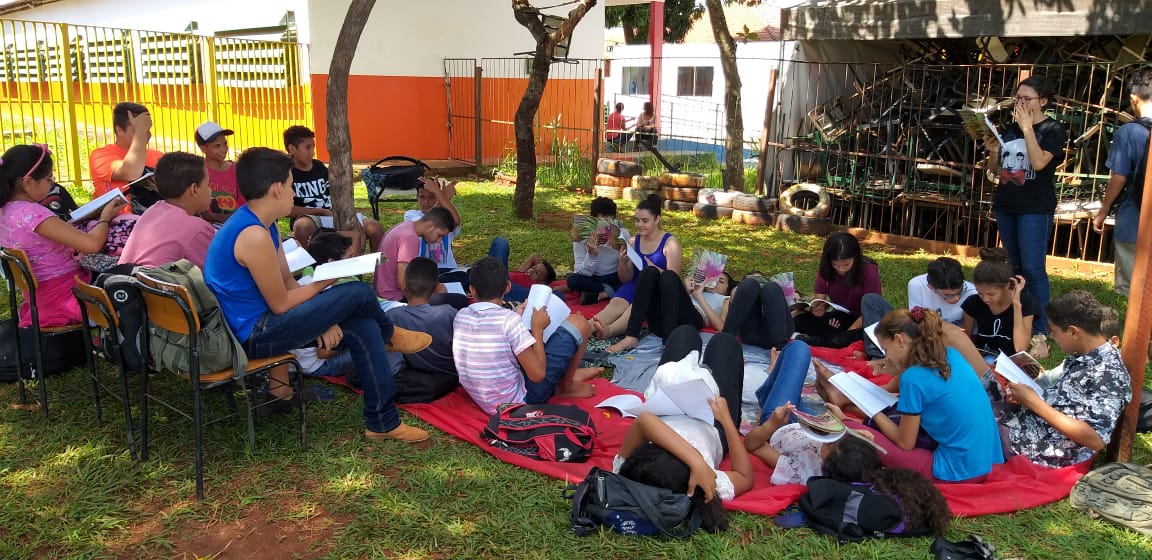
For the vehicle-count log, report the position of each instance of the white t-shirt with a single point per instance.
(920, 294)
(440, 253)
(703, 437)
(799, 456)
(604, 263)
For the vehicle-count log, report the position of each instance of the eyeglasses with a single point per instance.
(44, 151)
(949, 297)
(1025, 98)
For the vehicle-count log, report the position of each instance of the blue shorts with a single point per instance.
(558, 352)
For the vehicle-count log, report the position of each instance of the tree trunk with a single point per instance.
(733, 115)
(336, 100)
(546, 42)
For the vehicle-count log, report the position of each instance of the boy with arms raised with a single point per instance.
(171, 229)
(271, 314)
(500, 361)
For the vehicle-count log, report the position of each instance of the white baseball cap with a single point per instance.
(208, 132)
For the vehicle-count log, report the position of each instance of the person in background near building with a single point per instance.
(1126, 160)
(647, 130)
(616, 133)
(129, 157)
(226, 198)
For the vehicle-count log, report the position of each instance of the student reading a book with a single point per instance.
(940, 392)
(758, 313)
(313, 198)
(1025, 199)
(845, 275)
(666, 302)
(429, 374)
(25, 178)
(655, 248)
(172, 229)
(402, 244)
(595, 264)
(999, 317)
(682, 453)
(942, 289)
(271, 314)
(1074, 418)
(500, 361)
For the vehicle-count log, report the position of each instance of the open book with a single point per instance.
(541, 297)
(92, 207)
(329, 222)
(1021, 367)
(689, 399)
(344, 268)
(296, 256)
(870, 332)
(866, 395)
(707, 267)
(978, 125)
(633, 256)
(805, 305)
(607, 231)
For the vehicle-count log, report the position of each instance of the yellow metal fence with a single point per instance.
(59, 83)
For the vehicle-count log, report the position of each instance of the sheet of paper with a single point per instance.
(94, 206)
(296, 256)
(330, 222)
(541, 297)
(354, 266)
(870, 332)
(632, 254)
(1012, 372)
(867, 396)
(455, 288)
(689, 398)
(622, 403)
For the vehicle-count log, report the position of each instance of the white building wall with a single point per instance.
(169, 15)
(407, 38)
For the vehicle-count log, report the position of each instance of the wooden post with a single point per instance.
(597, 118)
(1137, 325)
(762, 165)
(656, 64)
(478, 95)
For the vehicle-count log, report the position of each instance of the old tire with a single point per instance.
(678, 205)
(681, 194)
(694, 180)
(752, 218)
(753, 203)
(711, 211)
(615, 193)
(649, 182)
(717, 197)
(823, 203)
(618, 168)
(633, 193)
(804, 225)
(605, 180)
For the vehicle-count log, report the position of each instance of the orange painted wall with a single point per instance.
(387, 116)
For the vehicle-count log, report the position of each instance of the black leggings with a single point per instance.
(662, 300)
(758, 314)
(723, 356)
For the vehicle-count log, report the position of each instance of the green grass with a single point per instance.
(69, 490)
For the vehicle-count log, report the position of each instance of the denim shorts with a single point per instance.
(558, 352)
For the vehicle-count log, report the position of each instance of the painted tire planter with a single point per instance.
(718, 197)
(618, 168)
(823, 202)
(752, 218)
(615, 193)
(711, 211)
(680, 194)
(678, 205)
(804, 225)
(649, 182)
(638, 194)
(753, 203)
(606, 180)
(694, 180)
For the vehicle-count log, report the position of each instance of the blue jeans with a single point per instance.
(558, 352)
(1026, 237)
(786, 379)
(606, 283)
(502, 250)
(338, 365)
(353, 306)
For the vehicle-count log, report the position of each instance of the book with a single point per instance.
(827, 428)
(344, 268)
(607, 231)
(633, 256)
(688, 399)
(1018, 368)
(978, 125)
(93, 206)
(870, 332)
(297, 257)
(803, 305)
(707, 266)
(867, 396)
(541, 297)
(330, 222)
(787, 283)
(455, 288)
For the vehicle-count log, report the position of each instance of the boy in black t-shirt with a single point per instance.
(313, 199)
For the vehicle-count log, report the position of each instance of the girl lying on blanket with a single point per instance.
(682, 453)
(666, 302)
(939, 391)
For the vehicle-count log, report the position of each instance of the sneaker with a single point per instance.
(403, 432)
(405, 341)
(588, 298)
(1039, 347)
(273, 405)
(791, 518)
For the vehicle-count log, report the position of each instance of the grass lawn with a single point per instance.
(68, 488)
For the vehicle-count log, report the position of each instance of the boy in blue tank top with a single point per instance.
(272, 314)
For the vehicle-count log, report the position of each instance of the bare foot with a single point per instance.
(576, 390)
(587, 373)
(626, 343)
(598, 328)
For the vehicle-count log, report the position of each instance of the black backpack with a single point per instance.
(60, 353)
(852, 511)
(549, 432)
(606, 499)
(1135, 186)
(128, 305)
(60, 202)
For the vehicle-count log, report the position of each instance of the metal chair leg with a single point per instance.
(126, 400)
(197, 441)
(92, 373)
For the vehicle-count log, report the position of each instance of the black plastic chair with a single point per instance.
(382, 179)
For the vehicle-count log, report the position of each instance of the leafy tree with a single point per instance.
(678, 18)
(733, 115)
(339, 140)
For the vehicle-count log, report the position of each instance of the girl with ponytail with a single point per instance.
(940, 392)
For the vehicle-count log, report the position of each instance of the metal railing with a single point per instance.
(59, 82)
